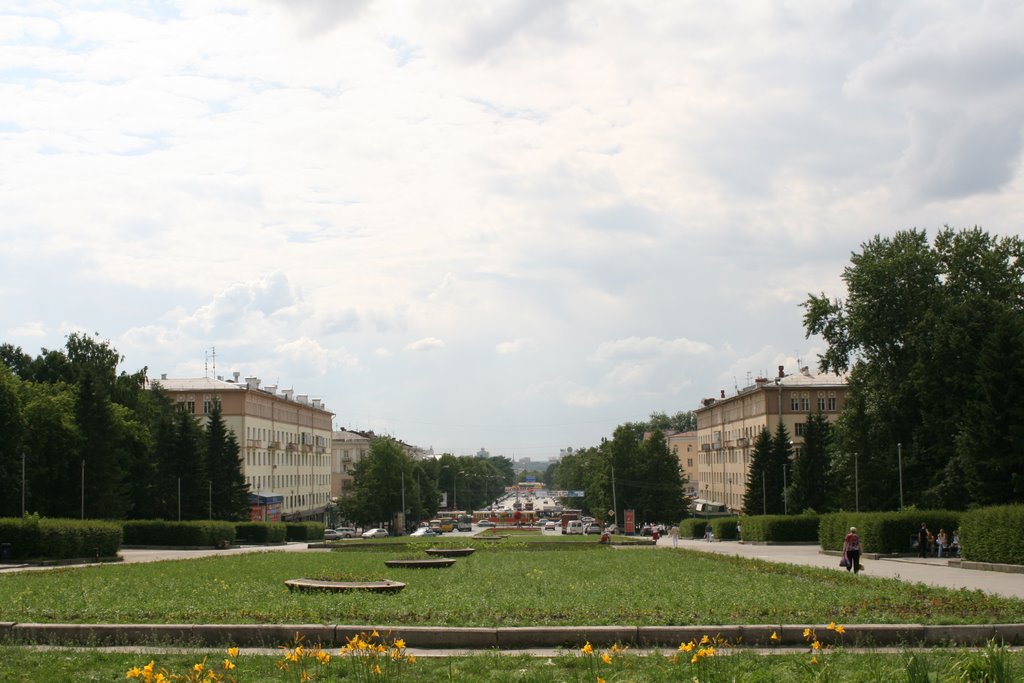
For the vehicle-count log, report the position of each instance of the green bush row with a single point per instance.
(781, 528)
(994, 534)
(59, 539)
(884, 532)
(260, 532)
(694, 527)
(305, 531)
(185, 534)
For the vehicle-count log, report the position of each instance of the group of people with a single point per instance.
(937, 545)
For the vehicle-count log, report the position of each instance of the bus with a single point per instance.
(455, 519)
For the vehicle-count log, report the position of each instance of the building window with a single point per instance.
(832, 404)
(805, 405)
(821, 405)
(689, 462)
(799, 427)
(190, 407)
(794, 403)
(207, 406)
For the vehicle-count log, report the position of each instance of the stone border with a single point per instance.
(450, 552)
(322, 585)
(510, 638)
(428, 563)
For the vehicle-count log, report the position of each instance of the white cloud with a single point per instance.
(513, 346)
(632, 347)
(425, 344)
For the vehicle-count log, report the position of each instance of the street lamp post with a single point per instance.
(856, 483)
(785, 502)
(899, 459)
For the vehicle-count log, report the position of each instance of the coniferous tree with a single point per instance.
(185, 485)
(755, 499)
(809, 488)
(229, 491)
(776, 470)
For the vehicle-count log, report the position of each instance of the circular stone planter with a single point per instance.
(450, 552)
(307, 585)
(432, 563)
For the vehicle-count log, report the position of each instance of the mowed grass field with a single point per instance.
(501, 584)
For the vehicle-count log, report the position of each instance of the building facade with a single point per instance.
(727, 427)
(348, 447)
(685, 446)
(285, 439)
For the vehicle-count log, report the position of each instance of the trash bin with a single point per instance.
(6, 551)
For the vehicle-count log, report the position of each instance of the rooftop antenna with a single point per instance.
(735, 384)
(210, 355)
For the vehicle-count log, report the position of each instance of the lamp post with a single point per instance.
(856, 484)
(785, 502)
(899, 460)
(706, 515)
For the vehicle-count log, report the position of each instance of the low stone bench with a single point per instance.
(307, 585)
(450, 552)
(430, 563)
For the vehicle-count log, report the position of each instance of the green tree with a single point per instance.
(909, 333)
(755, 499)
(780, 457)
(377, 485)
(229, 492)
(12, 427)
(183, 482)
(682, 421)
(809, 487)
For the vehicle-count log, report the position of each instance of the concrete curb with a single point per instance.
(510, 638)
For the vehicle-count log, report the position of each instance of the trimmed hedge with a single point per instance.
(305, 531)
(60, 539)
(781, 528)
(724, 528)
(889, 533)
(994, 534)
(178, 534)
(260, 532)
(692, 528)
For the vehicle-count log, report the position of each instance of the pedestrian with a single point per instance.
(941, 542)
(675, 536)
(922, 540)
(851, 550)
(654, 534)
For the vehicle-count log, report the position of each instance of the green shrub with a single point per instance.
(261, 532)
(304, 531)
(178, 534)
(724, 528)
(60, 539)
(781, 528)
(692, 528)
(994, 534)
(884, 532)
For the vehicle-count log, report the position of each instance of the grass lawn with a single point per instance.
(503, 584)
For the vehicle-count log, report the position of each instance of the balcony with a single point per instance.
(275, 445)
(743, 442)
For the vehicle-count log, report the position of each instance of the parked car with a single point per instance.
(573, 527)
(550, 526)
(375, 533)
(592, 529)
(332, 535)
(346, 531)
(486, 522)
(423, 531)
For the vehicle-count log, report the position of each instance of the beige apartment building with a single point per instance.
(685, 446)
(727, 427)
(347, 449)
(285, 441)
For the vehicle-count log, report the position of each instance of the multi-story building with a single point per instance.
(684, 446)
(727, 427)
(348, 447)
(284, 438)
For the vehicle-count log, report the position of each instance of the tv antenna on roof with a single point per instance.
(210, 355)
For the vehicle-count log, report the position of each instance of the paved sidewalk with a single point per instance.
(930, 571)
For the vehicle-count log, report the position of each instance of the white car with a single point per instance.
(422, 532)
(550, 526)
(375, 533)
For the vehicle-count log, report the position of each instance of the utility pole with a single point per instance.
(899, 458)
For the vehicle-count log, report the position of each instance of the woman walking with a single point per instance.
(851, 550)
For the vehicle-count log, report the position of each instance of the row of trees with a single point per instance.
(932, 336)
(386, 478)
(779, 484)
(99, 444)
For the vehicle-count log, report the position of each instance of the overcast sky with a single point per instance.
(509, 225)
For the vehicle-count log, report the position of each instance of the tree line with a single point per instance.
(931, 337)
(81, 439)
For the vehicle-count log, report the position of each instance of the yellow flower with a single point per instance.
(831, 626)
(840, 629)
(694, 659)
(376, 669)
(606, 658)
(198, 667)
(600, 680)
(705, 640)
(233, 651)
(305, 677)
(587, 649)
(775, 636)
(411, 659)
(228, 664)
(375, 634)
(808, 633)
(323, 657)
(686, 647)
(814, 660)
(815, 645)
(400, 644)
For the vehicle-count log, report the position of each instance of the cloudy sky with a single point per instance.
(504, 224)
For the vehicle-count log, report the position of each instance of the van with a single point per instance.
(574, 526)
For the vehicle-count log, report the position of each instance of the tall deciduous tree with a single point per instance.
(911, 332)
(12, 429)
